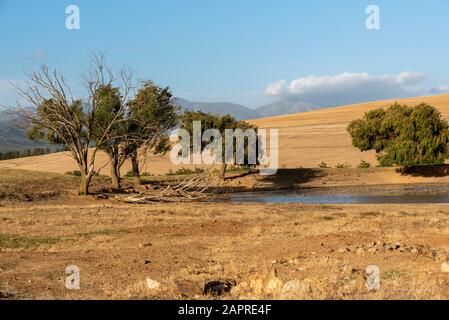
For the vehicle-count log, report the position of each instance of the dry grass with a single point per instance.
(118, 246)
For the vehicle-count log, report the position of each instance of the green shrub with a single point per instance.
(238, 168)
(183, 171)
(75, 173)
(402, 135)
(364, 164)
(323, 165)
(129, 174)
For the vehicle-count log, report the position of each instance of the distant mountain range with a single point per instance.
(238, 111)
(280, 107)
(14, 139)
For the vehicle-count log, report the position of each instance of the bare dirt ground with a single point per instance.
(323, 249)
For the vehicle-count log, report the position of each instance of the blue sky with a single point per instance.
(217, 50)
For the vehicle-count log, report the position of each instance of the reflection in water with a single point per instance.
(293, 197)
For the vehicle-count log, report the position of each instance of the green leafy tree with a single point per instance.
(109, 106)
(221, 123)
(402, 135)
(152, 113)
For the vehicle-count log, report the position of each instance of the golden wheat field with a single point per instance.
(305, 139)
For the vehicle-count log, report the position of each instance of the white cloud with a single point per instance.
(276, 88)
(439, 89)
(348, 87)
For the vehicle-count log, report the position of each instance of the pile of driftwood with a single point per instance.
(192, 188)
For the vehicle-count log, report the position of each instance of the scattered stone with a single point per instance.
(218, 288)
(260, 283)
(189, 288)
(296, 290)
(293, 261)
(6, 295)
(153, 284)
(350, 269)
(445, 267)
(145, 245)
(375, 247)
(396, 245)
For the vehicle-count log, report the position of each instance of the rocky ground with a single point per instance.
(250, 251)
(215, 250)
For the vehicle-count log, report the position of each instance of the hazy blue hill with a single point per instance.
(238, 111)
(15, 139)
(285, 106)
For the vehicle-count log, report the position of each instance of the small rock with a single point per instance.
(145, 245)
(153, 284)
(373, 250)
(189, 288)
(396, 245)
(260, 283)
(349, 269)
(218, 288)
(445, 267)
(295, 289)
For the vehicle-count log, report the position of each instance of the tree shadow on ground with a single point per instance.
(284, 179)
(425, 171)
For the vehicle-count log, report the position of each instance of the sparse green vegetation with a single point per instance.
(22, 242)
(182, 171)
(323, 165)
(364, 165)
(394, 275)
(75, 173)
(130, 174)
